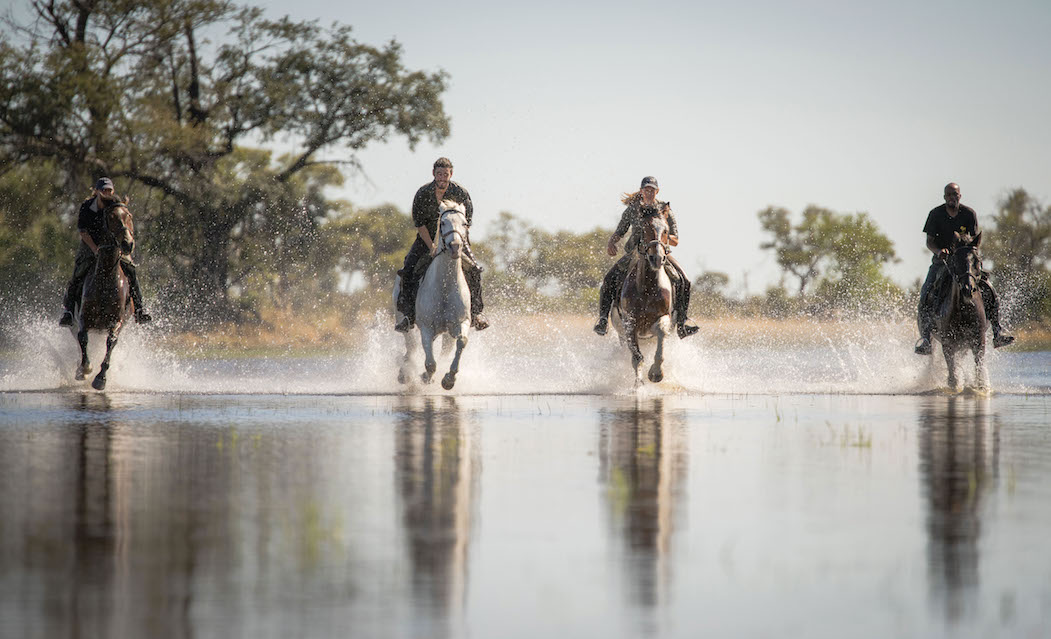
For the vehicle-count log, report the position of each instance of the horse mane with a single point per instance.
(452, 205)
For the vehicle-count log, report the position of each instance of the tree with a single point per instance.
(843, 253)
(1019, 246)
(134, 90)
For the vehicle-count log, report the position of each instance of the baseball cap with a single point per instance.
(649, 180)
(103, 183)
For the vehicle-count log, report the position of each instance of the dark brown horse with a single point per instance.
(106, 301)
(959, 317)
(644, 307)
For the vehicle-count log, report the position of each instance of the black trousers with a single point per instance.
(926, 310)
(85, 261)
(413, 269)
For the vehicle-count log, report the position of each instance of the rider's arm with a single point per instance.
(673, 227)
(932, 245)
(86, 238)
(425, 235)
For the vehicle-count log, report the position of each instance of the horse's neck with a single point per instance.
(447, 269)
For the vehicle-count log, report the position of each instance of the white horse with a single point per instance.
(443, 303)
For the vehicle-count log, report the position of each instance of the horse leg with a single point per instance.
(636, 353)
(99, 382)
(450, 377)
(950, 363)
(981, 373)
(85, 364)
(403, 370)
(661, 331)
(429, 365)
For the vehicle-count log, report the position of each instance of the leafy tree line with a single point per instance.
(181, 102)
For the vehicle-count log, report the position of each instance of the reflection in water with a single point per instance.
(643, 464)
(437, 478)
(957, 462)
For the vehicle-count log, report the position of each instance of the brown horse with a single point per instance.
(645, 304)
(106, 301)
(959, 319)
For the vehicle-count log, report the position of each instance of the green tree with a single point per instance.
(843, 253)
(1019, 247)
(135, 91)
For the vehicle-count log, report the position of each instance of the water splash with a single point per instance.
(539, 354)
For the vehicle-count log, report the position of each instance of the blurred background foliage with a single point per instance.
(181, 103)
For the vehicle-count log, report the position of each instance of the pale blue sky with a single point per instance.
(558, 107)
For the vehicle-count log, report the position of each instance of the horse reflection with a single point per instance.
(958, 451)
(643, 464)
(437, 477)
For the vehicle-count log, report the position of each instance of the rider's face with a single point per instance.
(649, 194)
(952, 197)
(442, 175)
(106, 192)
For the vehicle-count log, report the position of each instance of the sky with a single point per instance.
(557, 108)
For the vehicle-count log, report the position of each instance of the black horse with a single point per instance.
(959, 314)
(106, 303)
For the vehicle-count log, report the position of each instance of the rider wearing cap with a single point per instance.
(943, 223)
(641, 204)
(91, 224)
(425, 214)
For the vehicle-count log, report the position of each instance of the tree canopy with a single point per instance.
(141, 92)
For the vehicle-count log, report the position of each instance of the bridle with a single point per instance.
(443, 244)
(644, 248)
(966, 280)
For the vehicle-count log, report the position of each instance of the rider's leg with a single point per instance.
(141, 315)
(992, 313)
(682, 298)
(407, 296)
(84, 261)
(610, 287)
(925, 310)
(473, 274)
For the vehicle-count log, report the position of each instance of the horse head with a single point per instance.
(452, 228)
(654, 244)
(965, 265)
(119, 239)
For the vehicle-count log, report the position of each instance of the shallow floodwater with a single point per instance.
(822, 492)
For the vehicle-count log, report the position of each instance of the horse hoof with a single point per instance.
(99, 383)
(425, 378)
(402, 377)
(448, 381)
(656, 376)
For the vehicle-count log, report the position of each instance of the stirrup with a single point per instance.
(1002, 340)
(142, 317)
(923, 347)
(404, 326)
(66, 319)
(602, 327)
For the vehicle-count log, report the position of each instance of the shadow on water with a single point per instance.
(436, 475)
(959, 459)
(643, 463)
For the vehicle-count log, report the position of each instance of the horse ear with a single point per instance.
(977, 241)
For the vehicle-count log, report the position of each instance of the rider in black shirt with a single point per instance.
(91, 224)
(943, 223)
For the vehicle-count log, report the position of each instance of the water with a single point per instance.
(763, 490)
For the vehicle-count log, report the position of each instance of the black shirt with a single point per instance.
(91, 220)
(942, 227)
(632, 218)
(425, 207)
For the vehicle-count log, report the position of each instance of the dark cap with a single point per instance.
(649, 180)
(103, 183)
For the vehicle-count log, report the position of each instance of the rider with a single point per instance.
(425, 215)
(942, 222)
(643, 203)
(91, 224)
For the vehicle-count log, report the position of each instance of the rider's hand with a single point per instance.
(611, 247)
(943, 253)
(434, 250)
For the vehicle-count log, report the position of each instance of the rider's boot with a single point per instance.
(923, 347)
(405, 325)
(67, 319)
(1001, 339)
(142, 317)
(479, 322)
(686, 328)
(603, 326)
